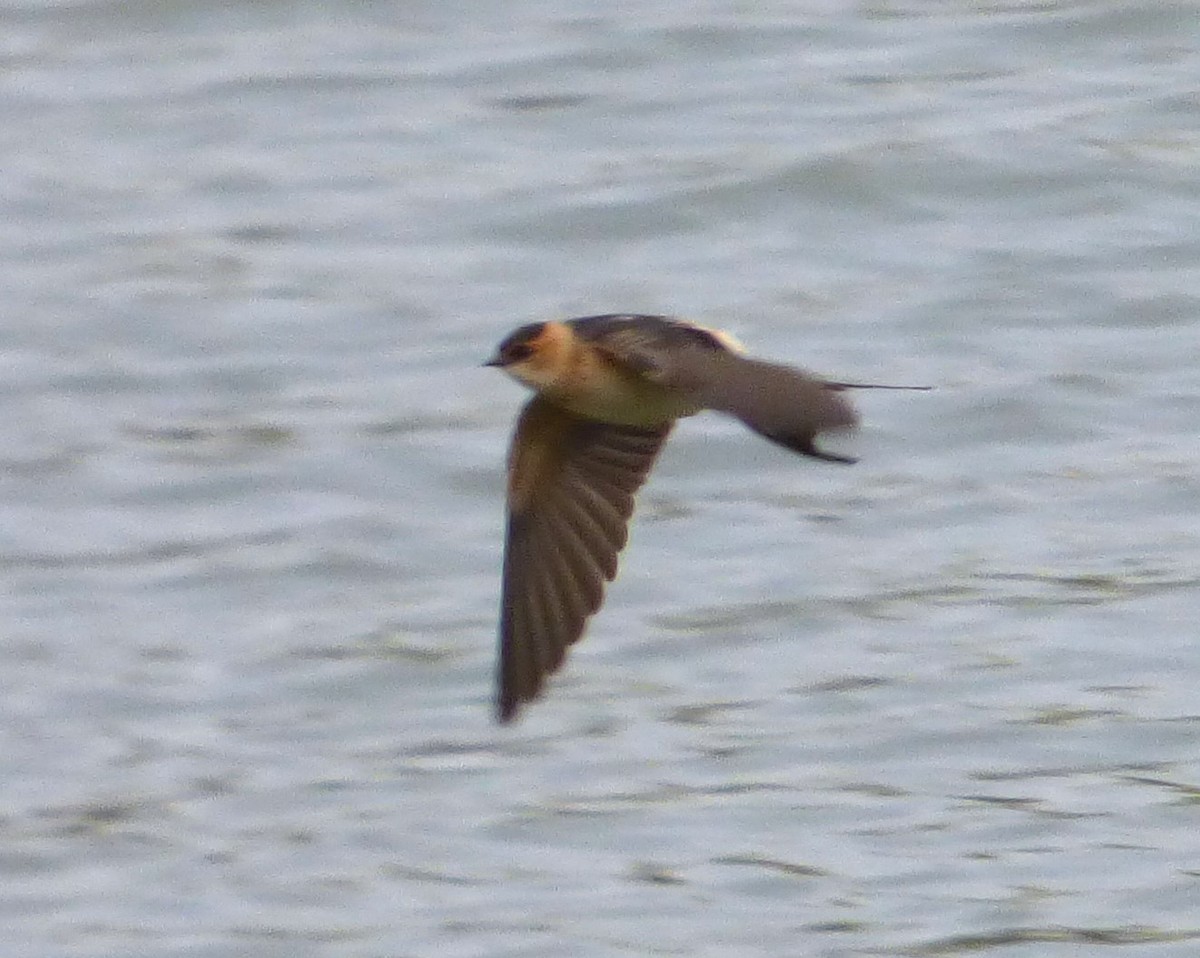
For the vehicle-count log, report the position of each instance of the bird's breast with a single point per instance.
(596, 389)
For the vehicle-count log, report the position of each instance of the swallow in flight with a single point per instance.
(608, 389)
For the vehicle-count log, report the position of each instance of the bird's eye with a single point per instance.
(519, 351)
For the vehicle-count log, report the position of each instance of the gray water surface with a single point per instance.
(943, 702)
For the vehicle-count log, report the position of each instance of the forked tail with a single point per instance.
(786, 405)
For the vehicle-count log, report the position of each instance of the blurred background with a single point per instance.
(943, 702)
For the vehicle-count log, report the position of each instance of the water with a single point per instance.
(942, 702)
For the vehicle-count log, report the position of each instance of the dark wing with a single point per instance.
(571, 484)
(650, 346)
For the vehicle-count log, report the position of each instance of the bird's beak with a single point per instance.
(495, 361)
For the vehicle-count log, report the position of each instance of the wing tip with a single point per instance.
(506, 710)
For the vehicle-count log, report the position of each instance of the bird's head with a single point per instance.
(532, 354)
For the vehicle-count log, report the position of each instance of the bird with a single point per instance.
(607, 392)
